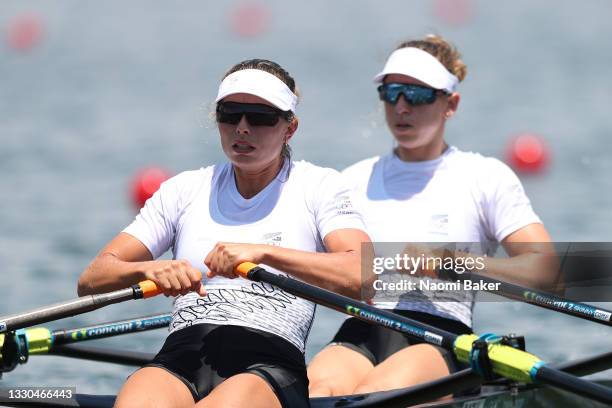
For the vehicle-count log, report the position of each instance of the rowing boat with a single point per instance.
(40, 341)
(490, 396)
(514, 379)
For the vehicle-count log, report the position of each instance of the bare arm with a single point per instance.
(338, 270)
(125, 261)
(532, 259)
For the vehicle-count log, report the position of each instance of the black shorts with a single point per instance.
(377, 343)
(202, 356)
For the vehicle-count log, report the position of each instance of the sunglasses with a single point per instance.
(256, 114)
(414, 94)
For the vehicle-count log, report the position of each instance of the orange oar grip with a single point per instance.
(244, 268)
(149, 289)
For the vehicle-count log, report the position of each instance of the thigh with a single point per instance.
(239, 391)
(337, 370)
(154, 387)
(410, 366)
(216, 357)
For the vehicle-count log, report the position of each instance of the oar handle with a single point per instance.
(148, 288)
(244, 268)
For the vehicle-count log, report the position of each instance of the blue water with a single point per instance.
(114, 86)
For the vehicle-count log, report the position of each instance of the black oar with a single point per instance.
(17, 346)
(505, 361)
(542, 299)
(142, 290)
(587, 365)
(102, 330)
(106, 355)
(452, 383)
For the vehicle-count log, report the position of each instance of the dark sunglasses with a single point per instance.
(256, 114)
(414, 94)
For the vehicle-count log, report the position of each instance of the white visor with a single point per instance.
(420, 65)
(259, 83)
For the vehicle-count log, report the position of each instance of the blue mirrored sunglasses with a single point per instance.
(414, 94)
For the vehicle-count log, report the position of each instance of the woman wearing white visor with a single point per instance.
(424, 191)
(232, 342)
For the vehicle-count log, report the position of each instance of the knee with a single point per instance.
(371, 385)
(319, 383)
(364, 389)
(320, 389)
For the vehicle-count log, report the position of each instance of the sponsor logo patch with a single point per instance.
(433, 338)
(601, 315)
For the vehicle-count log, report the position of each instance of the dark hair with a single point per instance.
(275, 69)
(444, 51)
(268, 66)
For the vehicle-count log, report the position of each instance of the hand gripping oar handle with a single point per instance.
(142, 290)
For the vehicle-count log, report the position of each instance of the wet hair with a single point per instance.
(444, 52)
(275, 69)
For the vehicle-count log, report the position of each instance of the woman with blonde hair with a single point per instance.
(426, 190)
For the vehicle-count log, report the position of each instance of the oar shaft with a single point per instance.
(40, 340)
(110, 329)
(547, 301)
(587, 365)
(64, 309)
(570, 383)
(344, 304)
(77, 306)
(505, 360)
(124, 357)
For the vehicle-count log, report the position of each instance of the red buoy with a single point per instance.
(145, 183)
(25, 32)
(453, 12)
(249, 19)
(528, 153)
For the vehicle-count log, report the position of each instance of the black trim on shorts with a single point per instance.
(202, 356)
(377, 343)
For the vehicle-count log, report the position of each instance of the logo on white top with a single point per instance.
(344, 205)
(272, 238)
(438, 224)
